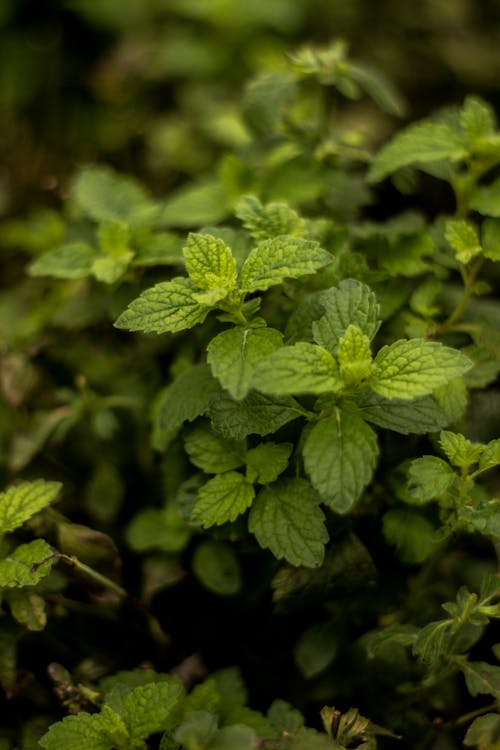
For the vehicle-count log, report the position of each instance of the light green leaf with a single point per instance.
(287, 519)
(103, 731)
(316, 648)
(418, 144)
(460, 451)
(491, 455)
(235, 353)
(351, 302)
(408, 369)
(198, 204)
(452, 398)
(71, 261)
(216, 566)
(27, 564)
(301, 368)
(354, 355)
(255, 414)
(223, 499)
(266, 222)
(485, 199)
(484, 732)
(27, 607)
(158, 529)
(419, 417)
(169, 306)
(109, 269)
(188, 397)
(212, 453)
(272, 261)
(490, 237)
(378, 87)
(267, 461)
(195, 731)
(413, 535)
(152, 708)
(284, 717)
(429, 477)
(481, 677)
(114, 239)
(209, 262)
(21, 501)
(340, 453)
(106, 196)
(236, 737)
(477, 119)
(463, 238)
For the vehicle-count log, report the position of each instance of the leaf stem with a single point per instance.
(93, 575)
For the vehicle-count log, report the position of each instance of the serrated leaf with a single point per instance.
(284, 717)
(106, 196)
(411, 533)
(169, 306)
(429, 477)
(103, 731)
(27, 564)
(272, 261)
(217, 567)
(266, 222)
(491, 455)
(301, 368)
(434, 640)
(287, 519)
(255, 414)
(223, 499)
(354, 355)
(209, 262)
(408, 369)
(419, 417)
(350, 303)
(463, 238)
(484, 732)
(21, 501)
(152, 708)
(340, 453)
(212, 453)
(126, 680)
(71, 261)
(233, 356)
(400, 634)
(267, 461)
(477, 119)
(196, 730)
(188, 397)
(28, 608)
(481, 677)
(231, 688)
(460, 451)
(418, 144)
(485, 199)
(490, 238)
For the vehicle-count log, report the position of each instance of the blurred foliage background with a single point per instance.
(152, 85)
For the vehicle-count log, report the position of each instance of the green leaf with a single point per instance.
(217, 567)
(340, 453)
(463, 238)
(378, 87)
(284, 717)
(28, 608)
(223, 499)
(480, 677)
(429, 478)
(301, 368)
(491, 455)
(272, 261)
(169, 306)
(354, 355)
(71, 261)
(266, 222)
(161, 529)
(255, 414)
(477, 119)
(266, 98)
(485, 199)
(490, 237)
(484, 732)
(408, 369)
(460, 451)
(235, 353)
(21, 501)
(287, 519)
(413, 535)
(236, 737)
(188, 397)
(212, 453)
(316, 648)
(152, 708)
(27, 564)
(204, 202)
(418, 144)
(109, 270)
(209, 262)
(196, 731)
(452, 399)
(434, 640)
(419, 417)
(104, 731)
(267, 461)
(350, 303)
(106, 196)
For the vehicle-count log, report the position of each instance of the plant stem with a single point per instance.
(93, 575)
